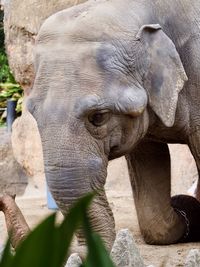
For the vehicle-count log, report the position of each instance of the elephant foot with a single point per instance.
(188, 208)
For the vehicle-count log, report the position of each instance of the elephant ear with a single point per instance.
(165, 75)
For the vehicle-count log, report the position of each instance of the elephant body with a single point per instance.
(113, 78)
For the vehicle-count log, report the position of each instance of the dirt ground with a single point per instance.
(33, 206)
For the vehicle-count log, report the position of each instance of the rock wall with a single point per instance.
(22, 21)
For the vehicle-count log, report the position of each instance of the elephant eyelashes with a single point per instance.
(99, 118)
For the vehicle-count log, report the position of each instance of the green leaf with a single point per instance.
(70, 224)
(48, 245)
(38, 248)
(9, 85)
(97, 253)
(7, 257)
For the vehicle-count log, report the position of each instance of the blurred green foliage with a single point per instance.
(8, 86)
(48, 245)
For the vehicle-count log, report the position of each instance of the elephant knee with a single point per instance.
(163, 229)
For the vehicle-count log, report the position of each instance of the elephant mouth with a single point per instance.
(115, 152)
(120, 150)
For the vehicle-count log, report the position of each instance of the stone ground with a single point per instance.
(33, 206)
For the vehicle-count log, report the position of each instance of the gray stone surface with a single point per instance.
(74, 261)
(12, 177)
(124, 252)
(193, 258)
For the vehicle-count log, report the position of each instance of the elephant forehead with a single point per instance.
(77, 85)
(92, 21)
(73, 66)
(66, 53)
(62, 81)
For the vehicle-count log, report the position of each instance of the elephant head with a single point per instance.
(93, 91)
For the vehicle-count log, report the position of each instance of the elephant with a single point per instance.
(120, 78)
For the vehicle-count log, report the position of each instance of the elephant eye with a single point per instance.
(99, 118)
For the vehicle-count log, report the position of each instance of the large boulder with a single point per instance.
(27, 147)
(27, 150)
(22, 21)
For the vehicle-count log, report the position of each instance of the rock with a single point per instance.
(13, 179)
(27, 147)
(124, 252)
(74, 261)
(193, 258)
(22, 21)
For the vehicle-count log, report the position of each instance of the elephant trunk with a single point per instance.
(16, 225)
(71, 173)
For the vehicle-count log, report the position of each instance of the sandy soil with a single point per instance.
(33, 206)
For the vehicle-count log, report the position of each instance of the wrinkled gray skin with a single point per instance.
(111, 80)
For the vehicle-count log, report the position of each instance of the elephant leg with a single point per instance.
(194, 144)
(188, 205)
(149, 169)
